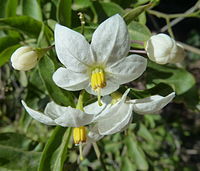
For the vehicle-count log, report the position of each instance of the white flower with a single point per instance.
(107, 119)
(163, 49)
(99, 67)
(24, 58)
(115, 117)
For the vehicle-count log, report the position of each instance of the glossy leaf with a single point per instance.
(32, 9)
(50, 148)
(138, 32)
(47, 68)
(11, 8)
(64, 12)
(179, 79)
(26, 25)
(161, 89)
(132, 14)
(106, 9)
(6, 54)
(58, 163)
(81, 4)
(8, 41)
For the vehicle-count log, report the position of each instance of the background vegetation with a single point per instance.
(169, 141)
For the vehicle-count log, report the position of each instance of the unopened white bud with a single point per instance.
(163, 49)
(24, 58)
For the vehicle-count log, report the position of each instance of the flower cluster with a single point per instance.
(100, 68)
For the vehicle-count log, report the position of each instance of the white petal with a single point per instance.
(95, 109)
(151, 104)
(110, 87)
(73, 117)
(53, 110)
(110, 41)
(41, 117)
(72, 49)
(93, 135)
(70, 80)
(115, 122)
(128, 69)
(112, 108)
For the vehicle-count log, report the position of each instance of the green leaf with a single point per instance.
(11, 7)
(46, 69)
(52, 144)
(16, 140)
(26, 25)
(81, 4)
(6, 54)
(8, 8)
(15, 159)
(136, 153)
(32, 9)
(132, 14)
(138, 32)
(111, 8)
(106, 9)
(8, 41)
(15, 152)
(127, 165)
(161, 89)
(64, 12)
(179, 79)
(144, 133)
(62, 151)
(190, 98)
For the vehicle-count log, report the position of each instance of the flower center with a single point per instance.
(98, 82)
(98, 79)
(79, 135)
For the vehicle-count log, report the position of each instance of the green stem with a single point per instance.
(80, 100)
(169, 28)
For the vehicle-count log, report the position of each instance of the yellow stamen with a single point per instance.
(98, 82)
(79, 135)
(98, 79)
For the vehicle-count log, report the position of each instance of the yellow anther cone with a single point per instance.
(79, 135)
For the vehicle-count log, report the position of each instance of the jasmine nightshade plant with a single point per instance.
(113, 116)
(99, 67)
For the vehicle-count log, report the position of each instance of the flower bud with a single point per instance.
(24, 58)
(163, 49)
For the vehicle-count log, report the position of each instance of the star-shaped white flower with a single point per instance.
(114, 118)
(106, 119)
(99, 67)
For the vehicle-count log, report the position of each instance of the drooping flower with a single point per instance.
(113, 116)
(99, 67)
(163, 49)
